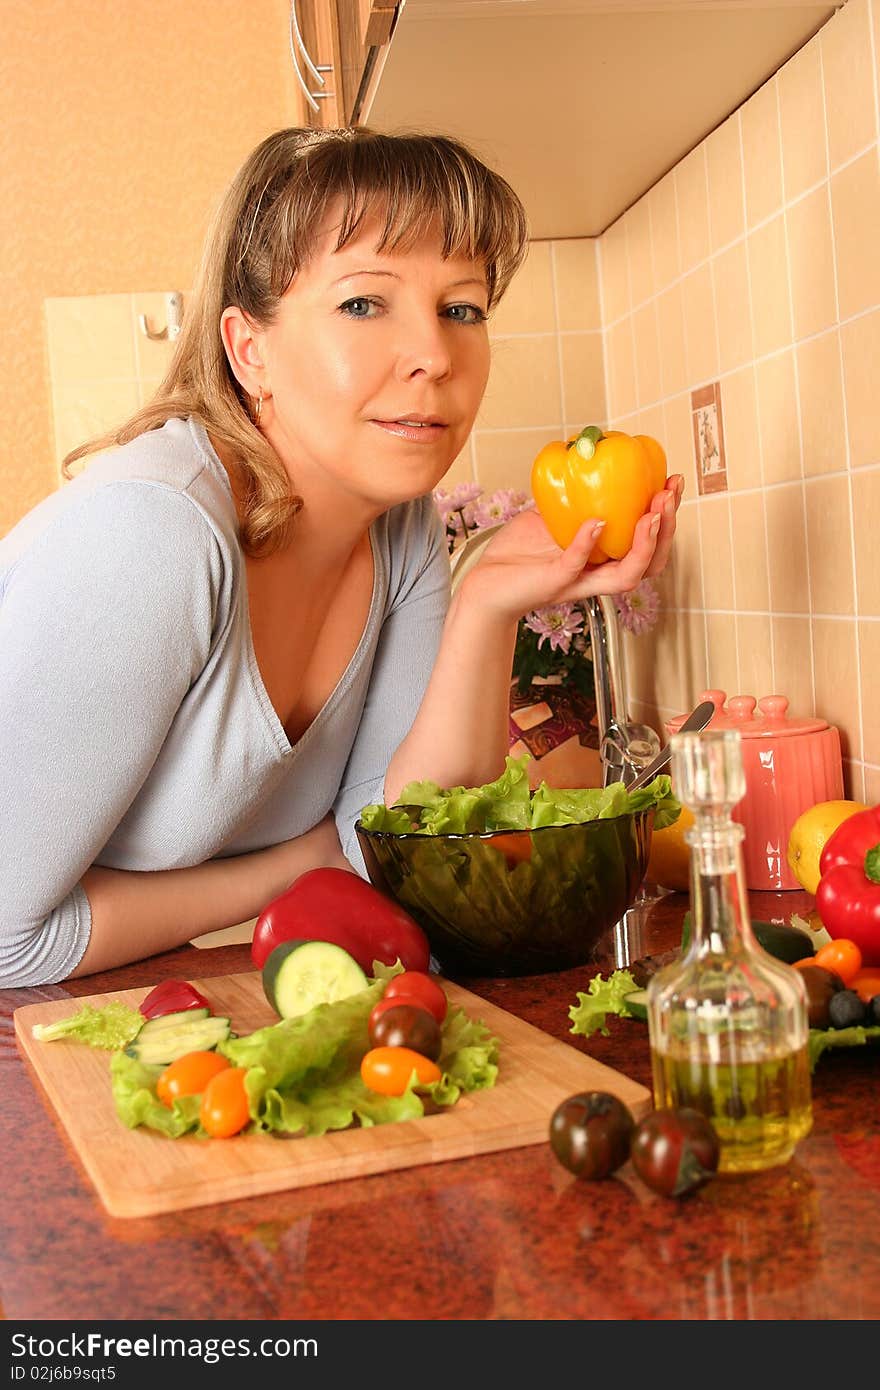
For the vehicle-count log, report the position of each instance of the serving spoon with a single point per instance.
(696, 720)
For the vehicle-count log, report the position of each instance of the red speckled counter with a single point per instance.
(506, 1236)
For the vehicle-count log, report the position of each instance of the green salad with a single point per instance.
(424, 808)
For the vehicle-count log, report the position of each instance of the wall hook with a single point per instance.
(174, 315)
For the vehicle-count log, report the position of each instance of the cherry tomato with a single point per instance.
(388, 1069)
(842, 956)
(590, 1134)
(224, 1109)
(407, 1025)
(821, 985)
(188, 1075)
(674, 1151)
(419, 989)
(866, 983)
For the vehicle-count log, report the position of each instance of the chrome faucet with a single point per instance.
(624, 747)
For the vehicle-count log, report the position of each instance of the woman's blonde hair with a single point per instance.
(264, 232)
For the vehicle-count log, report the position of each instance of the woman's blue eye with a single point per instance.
(358, 308)
(466, 313)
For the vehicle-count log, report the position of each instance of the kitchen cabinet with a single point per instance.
(339, 48)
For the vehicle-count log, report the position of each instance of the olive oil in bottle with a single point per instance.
(727, 1022)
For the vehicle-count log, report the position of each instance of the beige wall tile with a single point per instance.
(829, 544)
(836, 679)
(652, 420)
(787, 549)
(855, 205)
(664, 231)
(81, 413)
(700, 338)
(717, 554)
(820, 383)
(860, 341)
(90, 339)
(641, 669)
(462, 469)
(755, 651)
(528, 306)
(869, 662)
(524, 386)
(614, 273)
(504, 458)
(761, 157)
(802, 116)
(621, 368)
(793, 662)
(639, 250)
(750, 551)
(730, 274)
(725, 170)
(152, 355)
(849, 81)
(678, 438)
(768, 269)
(670, 328)
(723, 657)
(663, 685)
(811, 259)
(693, 658)
(742, 442)
(647, 346)
(684, 574)
(866, 510)
(870, 795)
(583, 377)
(778, 418)
(577, 284)
(693, 208)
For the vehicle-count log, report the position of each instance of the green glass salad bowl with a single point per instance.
(513, 902)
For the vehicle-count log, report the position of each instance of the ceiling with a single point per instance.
(582, 105)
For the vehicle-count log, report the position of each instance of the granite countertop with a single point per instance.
(510, 1235)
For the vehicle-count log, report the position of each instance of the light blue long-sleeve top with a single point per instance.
(135, 730)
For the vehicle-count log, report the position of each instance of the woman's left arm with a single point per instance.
(460, 734)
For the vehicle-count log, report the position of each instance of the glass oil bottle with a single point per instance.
(727, 1022)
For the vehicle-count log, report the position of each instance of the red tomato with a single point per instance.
(388, 1069)
(189, 1075)
(415, 987)
(224, 1109)
(842, 956)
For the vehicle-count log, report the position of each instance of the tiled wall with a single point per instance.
(755, 264)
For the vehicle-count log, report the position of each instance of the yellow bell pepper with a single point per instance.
(611, 476)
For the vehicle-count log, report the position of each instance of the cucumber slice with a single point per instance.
(158, 1044)
(174, 1020)
(637, 1004)
(299, 975)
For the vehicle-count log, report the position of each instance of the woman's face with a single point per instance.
(376, 364)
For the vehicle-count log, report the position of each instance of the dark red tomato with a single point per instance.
(590, 1134)
(675, 1151)
(171, 997)
(418, 988)
(407, 1025)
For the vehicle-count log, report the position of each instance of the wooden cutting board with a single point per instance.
(141, 1173)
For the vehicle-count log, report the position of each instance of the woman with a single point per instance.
(233, 629)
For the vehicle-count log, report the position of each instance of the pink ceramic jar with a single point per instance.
(790, 765)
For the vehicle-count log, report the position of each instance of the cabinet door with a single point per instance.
(347, 42)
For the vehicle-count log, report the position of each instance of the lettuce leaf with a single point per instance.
(822, 1038)
(603, 997)
(113, 1025)
(507, 804)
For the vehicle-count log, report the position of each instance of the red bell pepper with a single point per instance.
(334, 905)
(171, 997)
(848, 895)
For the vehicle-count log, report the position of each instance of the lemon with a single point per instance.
(669, 865)
(809, 835)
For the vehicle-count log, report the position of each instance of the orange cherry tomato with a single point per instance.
(188, 1075)
(866, 983)
(388, 1069)
(418, 988)
(224, 1109)
(842, 956)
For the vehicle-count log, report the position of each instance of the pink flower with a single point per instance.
(638, 610)
(558, 624)
(500, 507)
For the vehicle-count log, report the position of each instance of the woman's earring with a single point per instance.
(258, 408)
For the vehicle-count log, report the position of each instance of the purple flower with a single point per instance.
(638, 610)
(558, 624)
(500, 507)
(456, 507)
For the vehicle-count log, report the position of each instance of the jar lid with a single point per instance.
(769, 719)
